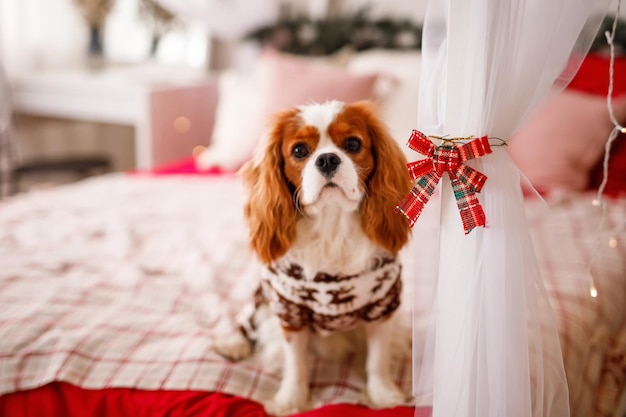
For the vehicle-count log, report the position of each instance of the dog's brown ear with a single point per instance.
(387, 186)
(270, 210)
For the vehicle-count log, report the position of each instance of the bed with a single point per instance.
(112, 288)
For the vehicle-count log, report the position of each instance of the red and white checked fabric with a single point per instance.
(448, 157)
(124, 281)
(592, 330)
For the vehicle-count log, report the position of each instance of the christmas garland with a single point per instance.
(299, 34)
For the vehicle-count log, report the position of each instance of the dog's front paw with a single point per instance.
(234, 347)
(288, 401)
(384, 394)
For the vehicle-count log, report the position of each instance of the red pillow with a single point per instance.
(593, 77)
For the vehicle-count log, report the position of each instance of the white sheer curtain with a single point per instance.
(493, 347)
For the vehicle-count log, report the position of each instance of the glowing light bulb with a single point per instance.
(595, 202)
(182, 124)
(593, 291)
(197, 151)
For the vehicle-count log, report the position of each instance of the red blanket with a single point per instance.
(59, 399)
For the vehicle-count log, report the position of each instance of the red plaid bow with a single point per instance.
(466, 181)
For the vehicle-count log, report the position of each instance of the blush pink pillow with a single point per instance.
(281, 81)
(292, 81)
(560, 145)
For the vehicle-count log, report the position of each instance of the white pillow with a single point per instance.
(237, 117)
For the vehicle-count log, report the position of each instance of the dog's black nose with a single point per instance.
(327, 163)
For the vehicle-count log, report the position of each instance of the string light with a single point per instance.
(197, 151)
(598, 201)
(182, 124)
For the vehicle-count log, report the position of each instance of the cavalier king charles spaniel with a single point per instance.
(322, 188)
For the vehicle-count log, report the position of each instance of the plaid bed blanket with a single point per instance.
(124, 282)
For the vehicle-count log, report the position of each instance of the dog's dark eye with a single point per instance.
(352, 145)
(300, 151)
